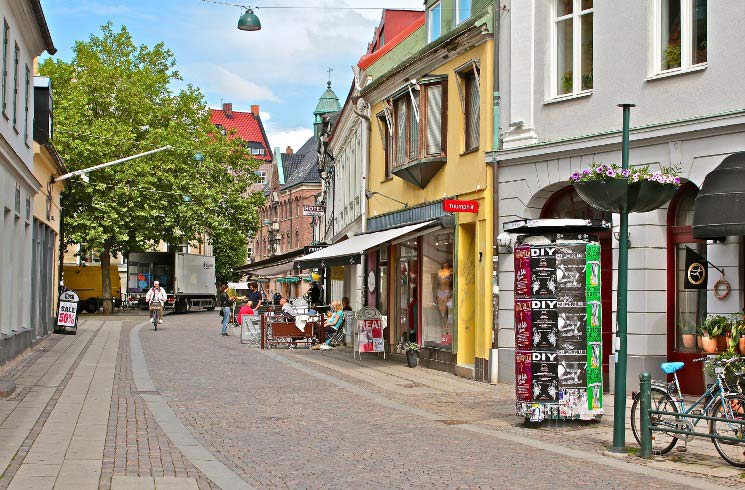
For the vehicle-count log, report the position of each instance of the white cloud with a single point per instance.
(283, 137)
(265, 116)
(214, 78)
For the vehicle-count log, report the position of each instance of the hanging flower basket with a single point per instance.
(610, 188)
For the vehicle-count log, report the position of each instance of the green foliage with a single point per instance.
(671, 56)
(408, 346)
(715, 325)
(115, 99)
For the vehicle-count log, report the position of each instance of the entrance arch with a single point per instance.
(566, 203)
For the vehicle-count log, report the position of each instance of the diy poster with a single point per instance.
(542, 271)
(545, 377)
(545, 324)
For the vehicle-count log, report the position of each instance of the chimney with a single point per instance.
(227, 109)
(288, 151)
(255, 110)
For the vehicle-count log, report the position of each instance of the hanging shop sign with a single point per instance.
(369, 331)
(696, 272)
(309, 249)
(457, 206)
(310, 210)
(558, 354)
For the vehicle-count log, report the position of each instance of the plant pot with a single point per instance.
(689, 341)
(722, 343)
(699, 343)
(741, 345)
(411, 358)
(618, 195)
(709, 344)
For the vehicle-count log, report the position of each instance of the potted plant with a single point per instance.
(412, 352)
(688, 334)
(712, 328)
(737, 341)
(635, 190)
(731, 379)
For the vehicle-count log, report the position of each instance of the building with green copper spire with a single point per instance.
(327, 104)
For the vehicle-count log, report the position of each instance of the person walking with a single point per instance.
(314, 294)
(224, 303)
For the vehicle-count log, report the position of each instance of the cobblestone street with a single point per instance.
(121, 406)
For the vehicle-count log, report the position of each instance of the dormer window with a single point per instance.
(257, 151)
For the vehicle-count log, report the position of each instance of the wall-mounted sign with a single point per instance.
(309, 210)
(309, 249)
(457, 206)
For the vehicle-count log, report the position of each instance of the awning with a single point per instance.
(273, 270)
(291, 279)
(720, 205)
(348, 252)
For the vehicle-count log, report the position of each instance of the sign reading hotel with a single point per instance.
(457, 206)
(309, 210)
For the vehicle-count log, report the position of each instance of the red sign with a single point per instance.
(456, 206)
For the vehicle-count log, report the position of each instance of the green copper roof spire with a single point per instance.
(328, 102)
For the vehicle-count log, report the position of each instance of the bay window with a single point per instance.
(571, 55)
(679, 37)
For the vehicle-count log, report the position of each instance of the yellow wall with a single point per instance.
(465, 176)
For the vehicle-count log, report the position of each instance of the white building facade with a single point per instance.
(343, 194)
(24, 37)
(565, 65)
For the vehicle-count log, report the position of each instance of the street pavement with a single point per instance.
(121, 406)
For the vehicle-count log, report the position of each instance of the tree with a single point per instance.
(115, 99)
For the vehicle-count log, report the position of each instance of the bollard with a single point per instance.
(645, 402)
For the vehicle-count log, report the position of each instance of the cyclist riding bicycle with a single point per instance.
(156, 297)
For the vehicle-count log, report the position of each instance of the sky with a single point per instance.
(283, 68)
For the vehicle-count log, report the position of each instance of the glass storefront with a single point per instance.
(438, 297)
(408, 270)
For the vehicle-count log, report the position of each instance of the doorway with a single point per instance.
(566, 203)
(407, 295)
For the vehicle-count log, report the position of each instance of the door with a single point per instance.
(407, 294)
(686, 308)
(566, 203)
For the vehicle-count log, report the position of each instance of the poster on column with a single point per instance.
(523, 376)
(543, 271)
(570, 270)
(592, 271)
(522, 272)
(523, 324)
(572, 323)
(545, 377)
(544, 323)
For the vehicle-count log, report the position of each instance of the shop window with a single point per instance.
(679, 36)
(571, 56)
(438, 298)
(407, 307)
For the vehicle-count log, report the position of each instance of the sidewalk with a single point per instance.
(73, 421)
(461, 401)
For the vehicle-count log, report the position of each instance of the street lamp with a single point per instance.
(249, 21)
(83, 173)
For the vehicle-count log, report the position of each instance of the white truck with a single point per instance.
(189, 279)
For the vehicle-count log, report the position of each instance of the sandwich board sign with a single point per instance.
(368, 334)
(67, 315)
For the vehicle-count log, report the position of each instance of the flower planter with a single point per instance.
(689, 341)
(709, 344)
(699, 343)
(611, 194)
(741, 345)
(411, 358)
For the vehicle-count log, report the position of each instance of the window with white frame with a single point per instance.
(257, 151)
(261, 176)
(571, 56)
(679, 34)
(434, 22)
(462, 10)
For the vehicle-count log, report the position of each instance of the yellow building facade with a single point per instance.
(431, 119)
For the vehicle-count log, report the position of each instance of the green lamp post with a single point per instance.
(249, 21)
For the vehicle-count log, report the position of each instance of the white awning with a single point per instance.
(353, 247)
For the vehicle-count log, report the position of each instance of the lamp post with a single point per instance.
(619, 410)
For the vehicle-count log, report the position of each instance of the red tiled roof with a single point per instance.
(367, 60)
(247, 127)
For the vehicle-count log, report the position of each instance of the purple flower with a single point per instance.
(625, 173)
(677, 180)
(586, 171)
(610, 173)
(575, 176)
(599, 169)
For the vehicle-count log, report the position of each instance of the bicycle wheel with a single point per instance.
(156, 319)
(662, 442)
(731, 452)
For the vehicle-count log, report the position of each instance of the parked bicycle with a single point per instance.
(720, 400)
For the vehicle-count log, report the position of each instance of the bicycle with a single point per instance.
(719, 400)
(157, 308)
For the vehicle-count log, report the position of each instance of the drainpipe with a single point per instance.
(494, 352)
(364, 156)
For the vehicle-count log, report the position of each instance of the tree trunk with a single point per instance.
(108, 306)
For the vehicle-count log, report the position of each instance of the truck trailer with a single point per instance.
(189, 279)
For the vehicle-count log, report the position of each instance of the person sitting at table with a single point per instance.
(246, 310)
(288, 312)
(333, 322)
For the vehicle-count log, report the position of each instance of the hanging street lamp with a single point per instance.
(249, 21)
